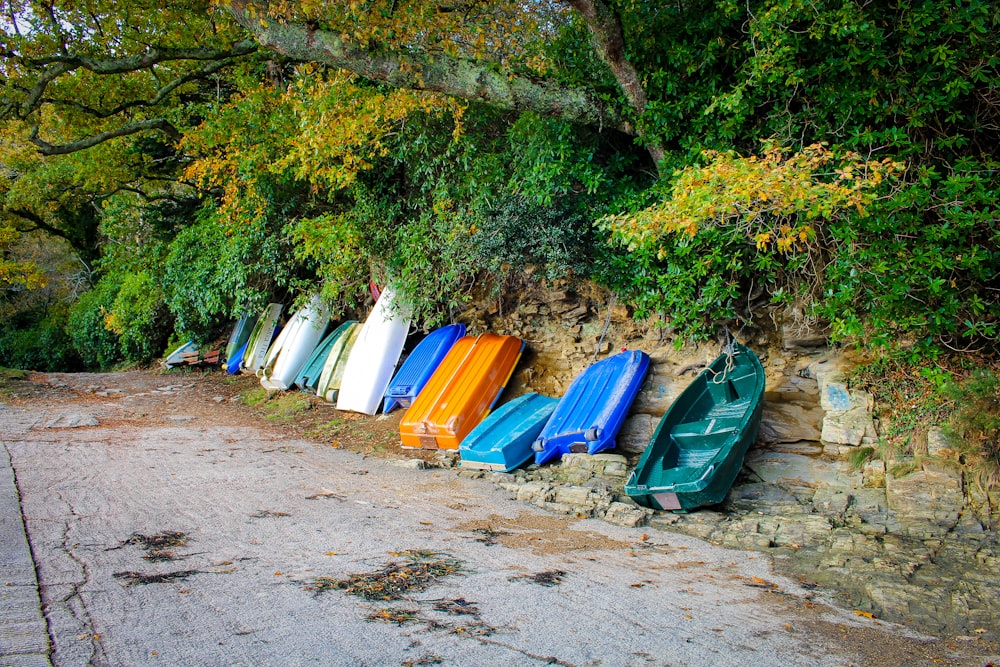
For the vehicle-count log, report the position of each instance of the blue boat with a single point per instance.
(591, 413)
(420, 365)
(308, 378)
(502, 441)
(233, 363)
(241, 335)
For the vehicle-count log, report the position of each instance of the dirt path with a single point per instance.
(170, 526)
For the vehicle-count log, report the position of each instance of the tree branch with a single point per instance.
(45, 148)
(161, 94)
(57, 65)
(453, 76)
(608, 40)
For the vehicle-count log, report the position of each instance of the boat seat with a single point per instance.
(696, 458)
(725, 410)
(708, 426)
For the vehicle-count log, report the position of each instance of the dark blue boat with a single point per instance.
(502, 441)
(420, 365)
(591, 413)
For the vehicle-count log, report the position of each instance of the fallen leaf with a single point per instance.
(866, 614)
(331, 553)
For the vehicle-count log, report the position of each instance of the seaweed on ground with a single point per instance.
(158, 542)
(134, 578)
(546, 578)
(420, 570)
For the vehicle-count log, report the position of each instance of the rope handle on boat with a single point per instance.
(707, 472)
(729, 349)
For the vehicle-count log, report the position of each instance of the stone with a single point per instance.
(636, 433)
(794, 470)
(531, 492)
(72, 420)
(847, 427)
(573, 495)
(927, 503)
(784, 421)
(410, 464)
(873, 475)
(939, 444)
(629, 516)
(831, 502)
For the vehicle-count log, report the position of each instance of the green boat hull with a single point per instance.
(698, 448)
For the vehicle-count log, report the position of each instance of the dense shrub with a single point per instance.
(97, 346)
(139, 317)
(39, 344)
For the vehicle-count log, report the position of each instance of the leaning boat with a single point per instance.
(594, 408)
(375, 355)
(260, 339)
(240, 335)
(333, 368)
(414, 373)
(292, 348)
(698, 448)
(461, 392)
(502, 441)
(308, 378)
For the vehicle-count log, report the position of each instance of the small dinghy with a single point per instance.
(292, 348)
(240, 335)
(502, 441)
(698, 448)
(181, 355)
(308, 378)
(333, 368)
(591, 413)
(461, 392)
(414, 373)
(260, 339)
(375, 355)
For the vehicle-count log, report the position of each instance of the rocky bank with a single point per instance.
(913, 543)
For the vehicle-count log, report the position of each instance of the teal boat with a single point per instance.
(698, 448)
(308, 378)
(502, 441)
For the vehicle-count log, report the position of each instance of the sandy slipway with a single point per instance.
(167, 528)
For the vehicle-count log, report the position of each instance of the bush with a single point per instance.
(41, 345)
(139, 317)
(975, 424)
(97, 346)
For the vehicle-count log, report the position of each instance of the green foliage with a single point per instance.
(42, 344)
(974, 426)
(518, 232)
(213, 271)
(97, 346)
(138, 315)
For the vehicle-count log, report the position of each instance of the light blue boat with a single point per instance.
(308, 378)
(420, 365)
(502, 441)
(594, 408)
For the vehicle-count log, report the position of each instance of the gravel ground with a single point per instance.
(172, 526)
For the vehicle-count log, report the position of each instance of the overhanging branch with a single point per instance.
(45, 148)
(457, 77)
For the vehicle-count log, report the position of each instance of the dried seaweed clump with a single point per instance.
(420, 570)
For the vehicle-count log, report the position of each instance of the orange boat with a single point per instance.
(461, 391)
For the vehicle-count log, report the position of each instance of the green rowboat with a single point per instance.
(698, 448)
